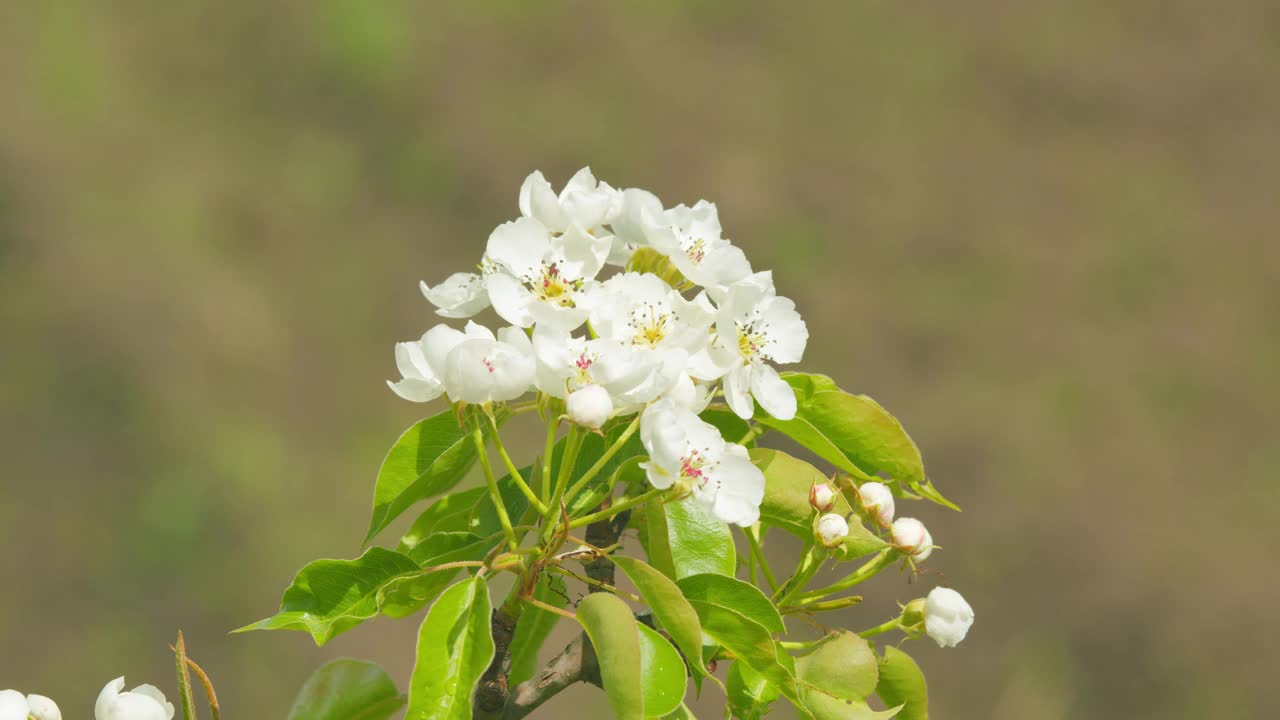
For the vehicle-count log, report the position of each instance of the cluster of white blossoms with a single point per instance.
(593, 328)
(144, 702)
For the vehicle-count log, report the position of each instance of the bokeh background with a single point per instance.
(1043, 234)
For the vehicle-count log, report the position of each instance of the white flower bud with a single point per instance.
(910, 535)
(589, 406)
(144, 702)
(832, 529)
(878, 501)
(947, 617)
(822, 497)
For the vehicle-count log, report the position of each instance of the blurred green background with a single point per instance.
(1043, 234)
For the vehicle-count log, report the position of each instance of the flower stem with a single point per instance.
(612, 450)
(478, 438)
(516, 477)
(752, 433)
(809, 565)
(862, 574)
(882, 627)
(616, 508)
(552, 427)
(753, 541)
(572, 445)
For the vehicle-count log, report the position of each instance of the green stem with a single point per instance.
(552, 427)
(809, 565)
(616, 508)
(516, 477)
(824, 606)
(478, 438)
(612, 450)
(882, 627)
(752, 433)
(754, 543)
(572, 445)
(862, 574)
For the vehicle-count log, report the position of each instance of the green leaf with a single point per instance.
(347, 689)
(484, 516)
(669, 606)
(750, 642)
(731, 427)
(750, 694)
(699, 542)
(681, 713)
(329, 597)
(825, 707)
(787, 481)
(406, 595)
(532, 630)
(612, 630)
(451, 513)
(902, 683)
(428, 459)
(455, 646)
(859, 542)
(852, 432)
(655, 536)
(841, 666)
(662, 673)
(733, 593)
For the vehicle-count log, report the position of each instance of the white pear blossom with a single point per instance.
(643, 311)
(686, 450)
(461, 295)
(832, 529)
(632, 376)
(822, 497)
(589, 406)
(947, 616)
(690, 237)
(910, 535)
(144, 702)
(422, 363)
(878, 501)
(755, 325)
(484, 368)
(13, 705)
(584, 201)
(535, 277)
(43, 708)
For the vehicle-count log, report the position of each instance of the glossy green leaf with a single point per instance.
(750, 642)
(534, 627)
(750, 695)
(451, 513)
(786, 491)
(681, 713)
(329, 597)
(455, 646)
(406, 595)
(612, 630)
(429, 458)
(841, 666)
(669, 606)
(699, 542)
(347, 689)
(731, 427)
(736, 594)
(860, 542)
(656, 539)
(852, 432)
(902, 683)
(825, 707)
(662, 673)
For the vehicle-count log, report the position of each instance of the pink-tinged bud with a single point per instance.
(822, 497)
(590, 406)
(910, 535)
(832, 529)
(877, 499)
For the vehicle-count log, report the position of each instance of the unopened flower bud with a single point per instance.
(878, 501)
(589, 406)
(832, 529)
(822, 497)
(947, 617)
(910, 535)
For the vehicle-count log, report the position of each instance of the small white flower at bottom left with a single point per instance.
(144, 702)
(14, 706)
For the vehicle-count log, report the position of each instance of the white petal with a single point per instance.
(737, 392)
(510, 298)
(772, 392)
(786, 332)
(411, 362)
(741, 488)
(519, 246)
(583, 252)
(461, 295)
(416, 390)
(106, 699)
(629, 226)
(539, 201)
(436, 344)
(43, 708)
(13, 706)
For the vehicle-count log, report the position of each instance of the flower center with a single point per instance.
(649, 325)
(582, 368)
(696, 250)
(487, 364)
(694, 467)
(551, 285)
(751, 340)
